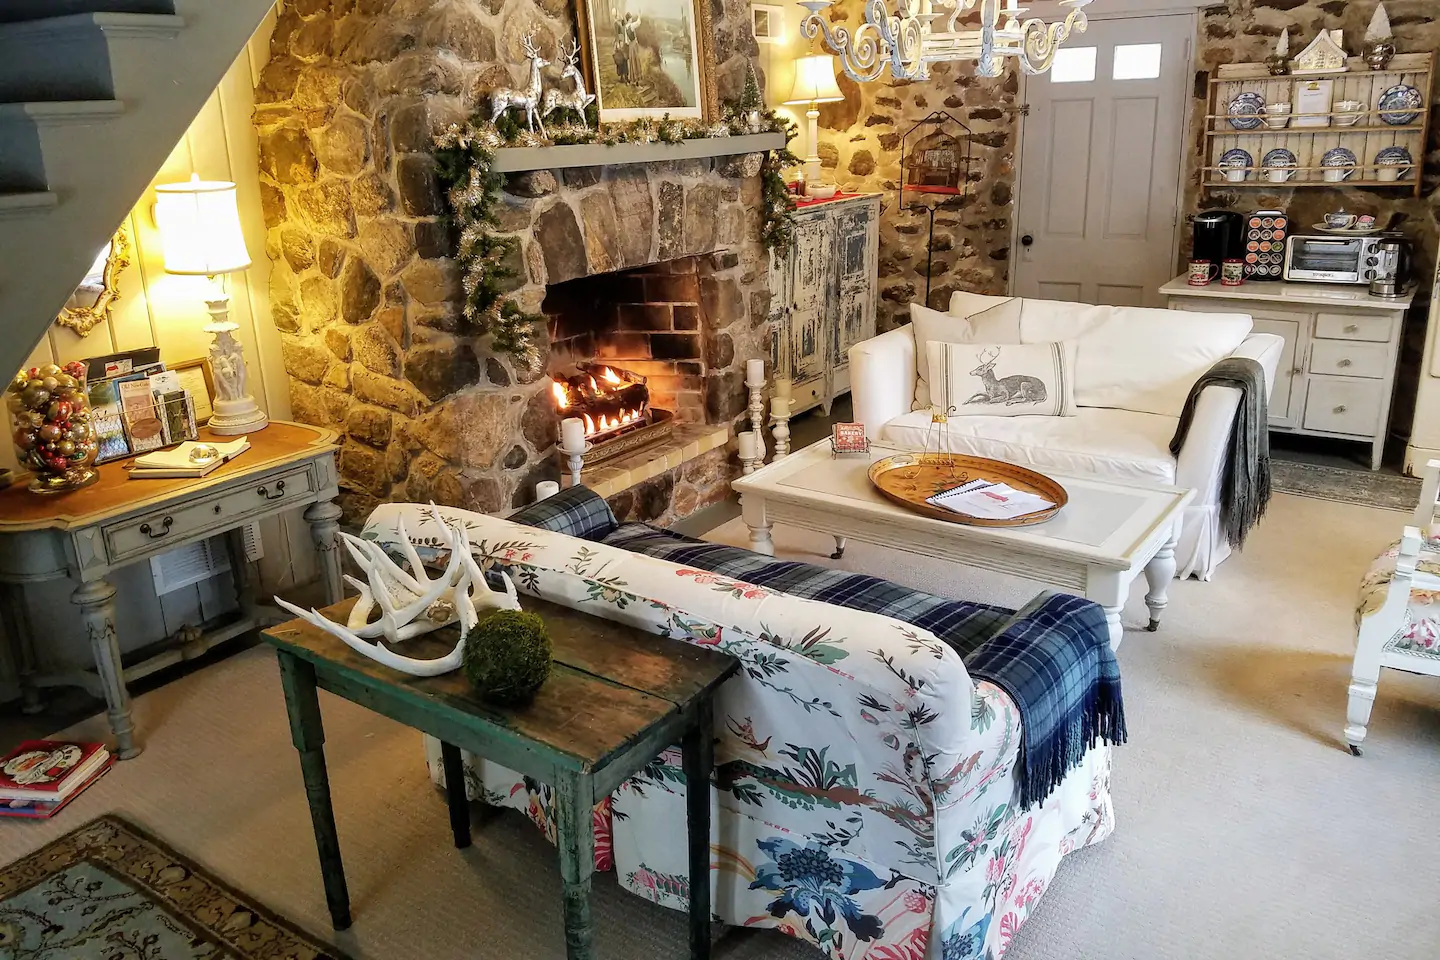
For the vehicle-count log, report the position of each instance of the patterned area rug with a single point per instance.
(1365, 487)
(109, 890)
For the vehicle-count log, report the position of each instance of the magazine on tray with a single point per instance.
(985, 500)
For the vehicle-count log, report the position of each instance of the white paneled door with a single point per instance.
(1100, 164)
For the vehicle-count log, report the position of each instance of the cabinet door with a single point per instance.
(857, 234)
(810, 291)
(1289, 392)
(781, 269)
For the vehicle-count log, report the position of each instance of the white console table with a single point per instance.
(1337, 374)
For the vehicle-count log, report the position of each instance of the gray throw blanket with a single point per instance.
(1245, 486)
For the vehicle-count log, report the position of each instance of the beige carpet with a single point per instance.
(1245, 828)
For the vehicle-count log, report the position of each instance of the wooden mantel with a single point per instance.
(517, 159)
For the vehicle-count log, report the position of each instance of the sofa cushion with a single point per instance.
(575, 512)
(1025, 379)
(998, 322)
(1111, 444)
(1128, 358)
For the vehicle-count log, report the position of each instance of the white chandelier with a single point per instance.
(909, 41)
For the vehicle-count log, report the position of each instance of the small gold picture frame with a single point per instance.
(196, 377)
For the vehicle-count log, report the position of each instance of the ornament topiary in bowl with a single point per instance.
(507, 657)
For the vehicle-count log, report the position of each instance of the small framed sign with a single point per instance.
(848, 439)
(768, 22)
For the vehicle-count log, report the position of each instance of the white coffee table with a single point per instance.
(1106, 535)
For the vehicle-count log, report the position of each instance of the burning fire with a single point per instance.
(603, 387)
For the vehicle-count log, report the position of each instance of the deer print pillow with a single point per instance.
(1002, 379)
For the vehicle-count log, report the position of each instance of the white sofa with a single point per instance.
(1134, 368)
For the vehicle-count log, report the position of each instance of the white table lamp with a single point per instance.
(814, 84)
(200, 235)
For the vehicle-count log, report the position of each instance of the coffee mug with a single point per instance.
(1340, 221)
(1391, 173)
(1202, 272)
(1236, 174)
(1337, 174)
(1232, 273)
(1279, 174)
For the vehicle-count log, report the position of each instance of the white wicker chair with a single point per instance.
(1398, 617)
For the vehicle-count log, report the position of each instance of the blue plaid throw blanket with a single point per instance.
(1052, 657)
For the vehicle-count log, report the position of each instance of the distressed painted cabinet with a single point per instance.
(1337, 374)
(823, 296)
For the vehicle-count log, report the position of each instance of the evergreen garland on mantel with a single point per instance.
(465, 158)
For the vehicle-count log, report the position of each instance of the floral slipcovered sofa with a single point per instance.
(865, 796)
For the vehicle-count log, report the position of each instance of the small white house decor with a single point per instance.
(1326, 54)
(411, 603)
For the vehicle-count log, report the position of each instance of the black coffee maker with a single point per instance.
(1219, 236)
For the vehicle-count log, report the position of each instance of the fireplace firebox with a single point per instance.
(614, 405)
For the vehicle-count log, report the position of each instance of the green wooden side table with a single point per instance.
(616, 698)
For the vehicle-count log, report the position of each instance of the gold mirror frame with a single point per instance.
(83, 319)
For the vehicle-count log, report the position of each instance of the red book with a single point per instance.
(49, 770)
(45, 809)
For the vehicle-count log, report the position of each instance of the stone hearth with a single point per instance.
(366, 293)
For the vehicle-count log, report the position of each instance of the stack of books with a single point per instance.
(39, 777)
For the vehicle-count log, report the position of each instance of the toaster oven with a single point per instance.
(1331, 259)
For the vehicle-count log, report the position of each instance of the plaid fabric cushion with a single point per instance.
(1053, 657)
(576, 512)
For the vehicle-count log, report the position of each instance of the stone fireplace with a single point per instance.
(367, 296)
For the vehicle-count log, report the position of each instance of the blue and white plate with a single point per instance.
(1280, 157)
(1242, 107)
(1394, 157)
(1400, 105)
(1236, 158)
(1338, 157)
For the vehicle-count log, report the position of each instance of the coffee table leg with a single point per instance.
(697, 760)
(455, 796)
(575, 836)
(1107, 588)
(839, 548)
(298, 678)
(1158, 574)
(752, 510)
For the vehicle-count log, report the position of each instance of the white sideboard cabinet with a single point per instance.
(1337, 374)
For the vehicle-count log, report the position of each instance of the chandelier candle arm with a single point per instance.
(907, 43)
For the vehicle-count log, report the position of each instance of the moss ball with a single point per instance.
(507, 657)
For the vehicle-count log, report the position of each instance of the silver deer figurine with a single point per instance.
(578, 99)
(1007, 390)
(503, 98)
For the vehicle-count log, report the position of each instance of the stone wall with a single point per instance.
(365, 292)
(860, 144)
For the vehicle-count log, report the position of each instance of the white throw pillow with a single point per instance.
(995, 324)
(1003, 379)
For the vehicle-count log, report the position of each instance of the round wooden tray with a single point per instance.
(908, 478)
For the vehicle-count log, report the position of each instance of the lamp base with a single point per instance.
(234, 417)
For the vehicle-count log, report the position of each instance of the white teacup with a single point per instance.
(1348, 112)
(1390, 173)
(1337, 174)
(1236, 174)
(1277, 115)
(1279, 174)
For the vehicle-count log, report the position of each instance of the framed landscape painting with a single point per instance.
(649, 57)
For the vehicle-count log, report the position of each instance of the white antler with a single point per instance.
(529, 42)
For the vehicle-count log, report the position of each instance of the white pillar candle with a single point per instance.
(779, 407)
(546, 489)
(572, 435)
(754, 372)
(747, 444)
(782, 387)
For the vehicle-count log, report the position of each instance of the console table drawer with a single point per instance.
(1338, 405)
(218, 512)
(1349, 358)
(1350, 326)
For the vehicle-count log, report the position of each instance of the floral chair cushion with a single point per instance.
(1419, 634)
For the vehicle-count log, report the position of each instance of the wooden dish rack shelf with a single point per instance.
(1365, 139)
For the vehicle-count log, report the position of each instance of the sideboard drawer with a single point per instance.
(1339, 405)
(1350, 326)
(212, 514)
(1349, 358)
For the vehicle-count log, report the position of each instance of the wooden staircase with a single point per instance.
(94, 95)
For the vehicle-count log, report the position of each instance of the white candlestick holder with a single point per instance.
(780, 426)
(757, 417)
(575, 461)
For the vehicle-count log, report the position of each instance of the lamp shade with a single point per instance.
(200, 228)
(815, 81)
